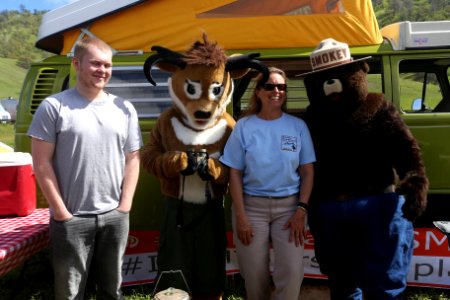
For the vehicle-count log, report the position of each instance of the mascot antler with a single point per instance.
(233, 63)
(247, 61)
(162, 55)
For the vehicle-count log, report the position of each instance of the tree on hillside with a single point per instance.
(18, 32)
(390, 11)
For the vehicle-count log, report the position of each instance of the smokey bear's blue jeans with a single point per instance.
(364, 245)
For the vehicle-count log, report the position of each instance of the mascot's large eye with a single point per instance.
(193, 89)
(216, 91)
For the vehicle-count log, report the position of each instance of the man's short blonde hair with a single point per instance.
(84, 44)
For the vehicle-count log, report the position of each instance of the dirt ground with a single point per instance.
(314, 290)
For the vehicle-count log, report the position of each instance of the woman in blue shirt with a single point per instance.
(270, 155)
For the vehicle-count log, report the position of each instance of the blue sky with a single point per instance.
(32, 5)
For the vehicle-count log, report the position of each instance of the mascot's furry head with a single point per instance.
(197, 125)
(343, 80)
(362, 144)
(201, 85)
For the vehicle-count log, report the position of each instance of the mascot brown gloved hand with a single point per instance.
(365, 154)
(183, 152)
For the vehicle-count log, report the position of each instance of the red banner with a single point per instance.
(430, 264)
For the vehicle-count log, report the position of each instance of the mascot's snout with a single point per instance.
(332, 86)
(202, 114)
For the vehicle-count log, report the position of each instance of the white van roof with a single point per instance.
(418, 35)
(74, 14)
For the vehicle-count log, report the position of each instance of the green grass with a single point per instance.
(7, 134)
(11, 78)
(36, 283)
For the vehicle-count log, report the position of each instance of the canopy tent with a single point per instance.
(234, 24)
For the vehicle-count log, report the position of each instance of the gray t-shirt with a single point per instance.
(91, 140)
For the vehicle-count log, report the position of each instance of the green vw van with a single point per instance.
(410, 64)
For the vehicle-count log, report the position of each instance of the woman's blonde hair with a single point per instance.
(255, 104)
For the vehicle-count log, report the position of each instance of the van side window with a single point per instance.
(129, 82)
(374, 78)
(424, 86)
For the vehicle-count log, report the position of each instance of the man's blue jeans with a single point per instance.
(81, 239)
(364, 245)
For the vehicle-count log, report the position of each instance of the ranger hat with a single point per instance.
(330, 54)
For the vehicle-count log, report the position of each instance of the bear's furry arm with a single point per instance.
(157, 160)
(406, 160)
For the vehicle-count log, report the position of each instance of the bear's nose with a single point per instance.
(332, 86)
(202, 114)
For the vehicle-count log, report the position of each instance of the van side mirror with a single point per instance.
(417, 104)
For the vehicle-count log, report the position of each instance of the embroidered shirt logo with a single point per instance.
(289, 143)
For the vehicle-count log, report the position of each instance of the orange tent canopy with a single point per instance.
(234, 24)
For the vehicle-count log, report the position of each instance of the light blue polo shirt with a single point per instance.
(269, 153)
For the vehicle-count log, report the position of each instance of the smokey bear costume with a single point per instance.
(183, 152)
(370, 181)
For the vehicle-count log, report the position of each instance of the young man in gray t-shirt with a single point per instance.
(85, 148)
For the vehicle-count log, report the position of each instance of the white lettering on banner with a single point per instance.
(310, 264)
(430, 265)
(142, 268)
(430, 236)
(431, 240)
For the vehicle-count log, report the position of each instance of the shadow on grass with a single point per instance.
(34, 281)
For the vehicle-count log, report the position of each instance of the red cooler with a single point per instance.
(17, 184)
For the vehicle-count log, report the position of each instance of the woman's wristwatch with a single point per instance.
(303, 206)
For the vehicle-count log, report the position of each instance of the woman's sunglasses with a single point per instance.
(272, 86)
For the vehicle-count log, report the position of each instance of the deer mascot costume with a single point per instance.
(183, 153)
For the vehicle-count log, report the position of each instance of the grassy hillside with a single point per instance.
(11, 78)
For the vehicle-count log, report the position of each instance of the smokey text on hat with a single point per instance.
(330, 57)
